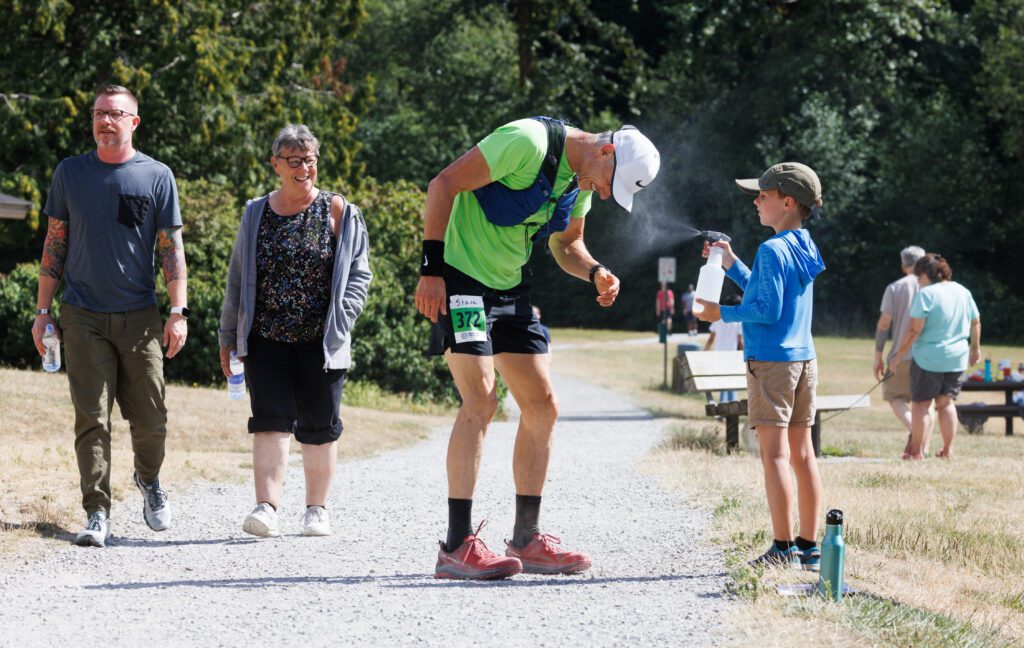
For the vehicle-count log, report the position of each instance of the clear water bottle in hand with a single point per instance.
(51, 344)
(236, 381)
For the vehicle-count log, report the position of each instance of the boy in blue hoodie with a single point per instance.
(782, 371)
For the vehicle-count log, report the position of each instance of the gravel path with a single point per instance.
(204, 582)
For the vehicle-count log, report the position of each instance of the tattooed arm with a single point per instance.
(51, 271)
(172, 259)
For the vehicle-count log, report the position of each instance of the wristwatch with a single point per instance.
(181, 310)
(42, 311)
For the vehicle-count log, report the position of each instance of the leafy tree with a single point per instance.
(215, 79)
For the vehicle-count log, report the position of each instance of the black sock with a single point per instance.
(804, 545)
(527, 519)
(460, 522)
(783, 545)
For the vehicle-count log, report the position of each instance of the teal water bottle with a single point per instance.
(833, 557)
(988, 370)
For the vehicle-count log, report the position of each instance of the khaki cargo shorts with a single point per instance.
(898, 386)
(781, 393)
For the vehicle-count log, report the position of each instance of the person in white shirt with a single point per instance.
(726, 336)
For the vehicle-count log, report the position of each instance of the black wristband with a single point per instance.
(433, 259)
(594, 270)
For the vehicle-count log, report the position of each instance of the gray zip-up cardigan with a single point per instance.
(349, 284)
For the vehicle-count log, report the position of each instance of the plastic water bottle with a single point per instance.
(833, 557)
(709, 282)
(51, 343)
(236, 381)
(988, 370)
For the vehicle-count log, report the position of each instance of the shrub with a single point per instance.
(17, 312)
(391, 337)
(210, 217)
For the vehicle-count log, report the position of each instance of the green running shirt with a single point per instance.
(492, 254)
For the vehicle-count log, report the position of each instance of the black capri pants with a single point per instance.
(290, 391)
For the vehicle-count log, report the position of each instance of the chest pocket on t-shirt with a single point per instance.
(132, 211)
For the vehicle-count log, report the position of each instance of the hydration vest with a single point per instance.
(506, 207)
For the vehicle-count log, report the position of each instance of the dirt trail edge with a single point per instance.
(205, 582)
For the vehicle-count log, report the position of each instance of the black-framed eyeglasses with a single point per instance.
(295, 161)
(115, 115)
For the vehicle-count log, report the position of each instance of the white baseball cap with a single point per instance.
(636, 164)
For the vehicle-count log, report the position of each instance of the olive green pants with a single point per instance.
(114, 356)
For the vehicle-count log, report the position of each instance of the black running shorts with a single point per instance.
(482, 321)
(290, 391)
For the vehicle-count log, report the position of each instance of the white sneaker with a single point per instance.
(262, 522)
(155, 509)
(96, 531)
(315, 522)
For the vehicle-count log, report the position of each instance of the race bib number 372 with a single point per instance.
(468, 318)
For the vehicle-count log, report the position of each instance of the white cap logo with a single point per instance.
(636, 164)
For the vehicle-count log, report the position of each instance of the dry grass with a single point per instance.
(207, 440)
(935, 547)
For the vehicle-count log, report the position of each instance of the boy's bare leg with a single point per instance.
(808, 481)
(269, 465)
(945, 411)
(528, 380)
(474, 378)
(777, 484)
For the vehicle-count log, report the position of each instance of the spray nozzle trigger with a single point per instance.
(714, 237)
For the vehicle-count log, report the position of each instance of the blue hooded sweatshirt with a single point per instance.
(778, 298)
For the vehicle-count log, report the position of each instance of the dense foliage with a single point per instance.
(910, 110)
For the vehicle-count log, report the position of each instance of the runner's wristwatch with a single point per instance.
(181, 310)
(593, 271)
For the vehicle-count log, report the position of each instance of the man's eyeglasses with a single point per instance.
(115, 115)
(296, 161)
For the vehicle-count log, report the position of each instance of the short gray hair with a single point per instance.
(911, 255)
(298, 136)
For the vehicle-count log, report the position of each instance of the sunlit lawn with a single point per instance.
(206, 440)
(936, 548)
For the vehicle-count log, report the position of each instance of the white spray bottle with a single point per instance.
(709, 283)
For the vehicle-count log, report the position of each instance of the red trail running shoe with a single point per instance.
(544, 556)
(474, 561)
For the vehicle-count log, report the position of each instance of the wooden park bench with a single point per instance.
(714, 371)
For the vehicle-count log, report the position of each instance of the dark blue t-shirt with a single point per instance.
(113, 212)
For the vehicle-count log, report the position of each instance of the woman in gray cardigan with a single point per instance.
(297, 282)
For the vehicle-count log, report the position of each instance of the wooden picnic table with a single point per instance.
(1008, 411)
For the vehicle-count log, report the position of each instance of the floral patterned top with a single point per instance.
(294, 265)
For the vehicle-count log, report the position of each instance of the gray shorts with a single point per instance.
(927, 385)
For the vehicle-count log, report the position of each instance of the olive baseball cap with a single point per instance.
(791, 178)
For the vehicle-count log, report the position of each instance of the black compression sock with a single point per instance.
(460, 522)
(804, 545)
(783, 545)
(527, 519)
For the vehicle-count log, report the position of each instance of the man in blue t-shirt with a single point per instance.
(107, 210)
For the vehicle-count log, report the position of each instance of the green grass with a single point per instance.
(885, 622)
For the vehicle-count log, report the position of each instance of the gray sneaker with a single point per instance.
(155, 508)
(262, 522)
(96, 531)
